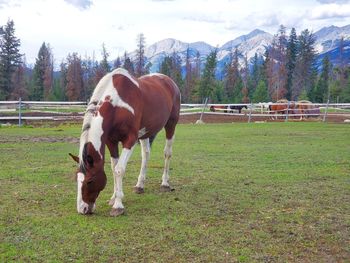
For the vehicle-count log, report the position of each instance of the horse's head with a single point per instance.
(91, 178)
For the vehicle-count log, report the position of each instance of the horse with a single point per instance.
(227, 109)
(281, 107)
(124, 109)
(237, 107)
(305, 107)
(219, 108)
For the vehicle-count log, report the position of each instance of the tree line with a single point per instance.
(286, 70)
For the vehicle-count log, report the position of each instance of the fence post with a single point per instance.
(325, 114)
(205, 105)
(287, 111)
(250, 113)
(20, 112)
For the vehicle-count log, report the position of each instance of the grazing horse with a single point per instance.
(304, 107)
(124, 109)
(281, 107)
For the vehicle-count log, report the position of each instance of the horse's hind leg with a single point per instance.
(145, 153)
(168, 149)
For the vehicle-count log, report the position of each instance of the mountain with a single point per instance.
(328, 44)
(256, 42)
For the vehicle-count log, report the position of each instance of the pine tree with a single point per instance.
(261, 94)
(117, 63)
(104, 65)
(10, 58)
(291, 61)
(304, 73)
(322, 88)
(208, 82)
(140, 61)
(128, 64)
(188, 84)
(43, 74)
(233, 81)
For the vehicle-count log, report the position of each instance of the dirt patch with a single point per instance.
(40, 139)
(221, 118)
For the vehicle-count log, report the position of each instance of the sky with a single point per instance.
(83, 25)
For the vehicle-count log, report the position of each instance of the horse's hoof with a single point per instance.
(138, 190)
(117, 211)
(111, 202)
(166, 188)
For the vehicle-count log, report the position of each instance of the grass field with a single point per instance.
(268, 192)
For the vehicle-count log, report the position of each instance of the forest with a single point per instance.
(287, 69)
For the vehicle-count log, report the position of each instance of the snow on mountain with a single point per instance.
(328, 38)
(327, 42)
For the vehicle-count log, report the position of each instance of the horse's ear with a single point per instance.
(75, 158)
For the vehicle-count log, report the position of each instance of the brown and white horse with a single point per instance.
(124, 109)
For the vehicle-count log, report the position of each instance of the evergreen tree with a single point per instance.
(304, 73)
(261, 94)
(188, 84)
(208, 82)
(233, 81)
(63, 79)
(140, 56)
(345, 95)
(128, 64)
(291, 61)
(117, 63)
(322, 88)
(104, 65)
(10, 58)
(43, 74)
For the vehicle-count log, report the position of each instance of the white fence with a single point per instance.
(61, 111)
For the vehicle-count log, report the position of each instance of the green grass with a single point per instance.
(269, 192)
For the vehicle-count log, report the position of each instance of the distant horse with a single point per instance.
(305, 107)
(280, 107)
(227, 109)
(124, 109)
(237, 107)
(219, 108)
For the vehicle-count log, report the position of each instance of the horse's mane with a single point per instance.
(92, 108)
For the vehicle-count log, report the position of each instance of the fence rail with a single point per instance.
(63, 110)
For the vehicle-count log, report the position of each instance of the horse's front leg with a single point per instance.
(119, 171)
(145, 153)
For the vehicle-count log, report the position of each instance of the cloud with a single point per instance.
(333, 1)
(204, 18)
(80, 4)
(330, 11)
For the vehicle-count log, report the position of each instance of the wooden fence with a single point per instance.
(61, 111)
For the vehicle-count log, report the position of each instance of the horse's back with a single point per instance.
(161, 102)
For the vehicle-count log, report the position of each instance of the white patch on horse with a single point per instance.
(145, 153)
(118, 174)
(113, 97)
(95, 134)
(125, 73)
(81, 205)
(154, 74)
(142, 132)
(168, 151)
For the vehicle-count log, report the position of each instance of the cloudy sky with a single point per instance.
(83, 25)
